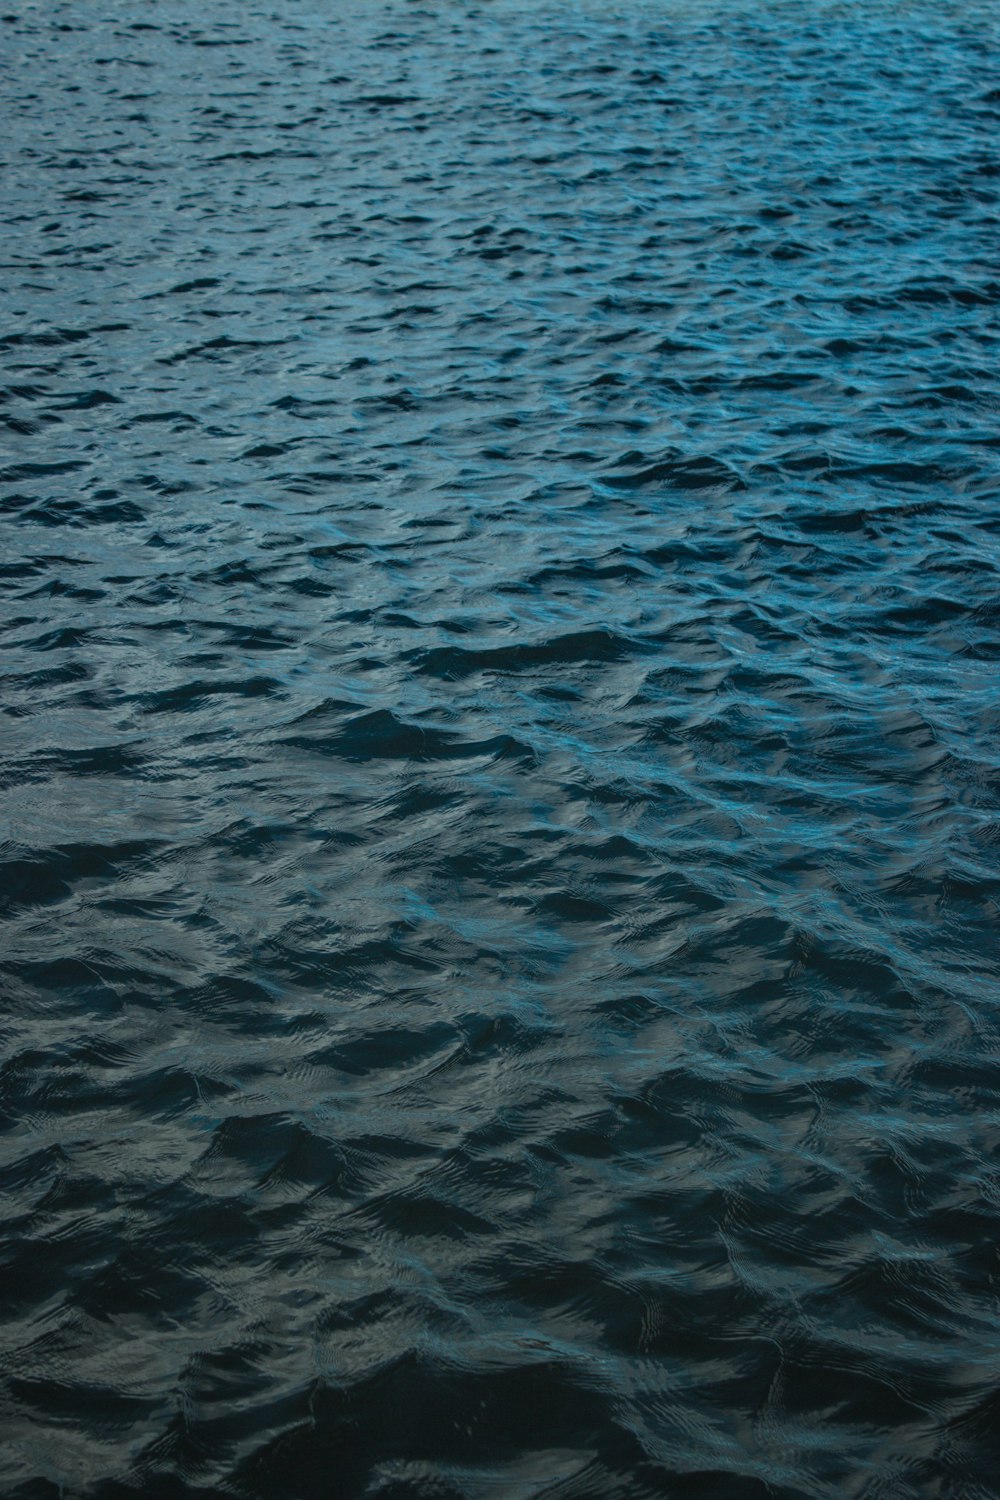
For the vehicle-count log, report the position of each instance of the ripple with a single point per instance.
(499, 799)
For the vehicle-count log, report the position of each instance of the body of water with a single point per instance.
(500, 806)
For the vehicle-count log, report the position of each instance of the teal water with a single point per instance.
(499, 772)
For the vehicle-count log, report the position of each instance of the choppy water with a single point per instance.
(501, 570)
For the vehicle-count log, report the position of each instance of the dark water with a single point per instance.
(501, 782)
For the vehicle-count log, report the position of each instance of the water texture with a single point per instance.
(500, 801)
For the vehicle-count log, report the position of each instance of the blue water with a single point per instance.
(500, 770)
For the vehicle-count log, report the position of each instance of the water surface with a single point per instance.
(500, 774)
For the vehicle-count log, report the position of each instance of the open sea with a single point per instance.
(500, 750)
